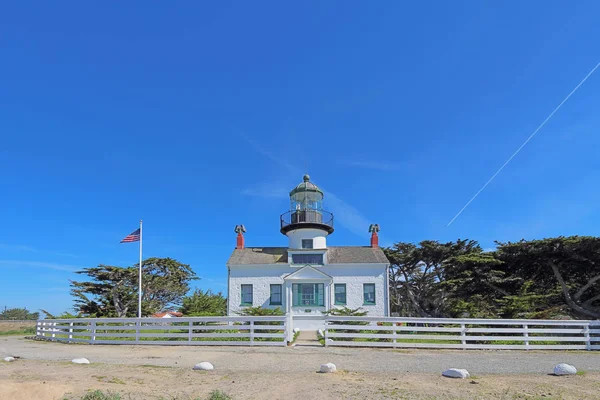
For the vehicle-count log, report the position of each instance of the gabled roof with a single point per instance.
(308, 272)
(335, 255)
(259, 255)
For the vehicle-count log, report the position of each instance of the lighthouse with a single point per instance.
(307, 277)
(307, 224)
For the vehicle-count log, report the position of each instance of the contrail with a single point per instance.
(524, 143)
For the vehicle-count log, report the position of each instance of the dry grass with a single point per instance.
(17, 328)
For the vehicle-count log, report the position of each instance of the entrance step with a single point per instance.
(307, 338)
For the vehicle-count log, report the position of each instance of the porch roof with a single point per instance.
(309, 273)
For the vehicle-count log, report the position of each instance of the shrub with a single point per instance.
(204, 304)
(100, 395)
(218, 395)
(263, 312)
(259, 311)
(346, 311)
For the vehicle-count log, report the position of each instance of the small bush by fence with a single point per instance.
(462, 333)
(202, 331)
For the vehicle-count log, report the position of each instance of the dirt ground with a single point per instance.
(44, 372)
(26, 379)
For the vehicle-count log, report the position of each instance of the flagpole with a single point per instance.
(140, 279)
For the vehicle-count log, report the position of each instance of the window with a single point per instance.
(246, 295)
(275, 299)
(308, 294)
(307, 243)
(340, 293)
(307, 259)
(369, 293)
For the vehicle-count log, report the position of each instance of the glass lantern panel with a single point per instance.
(312, 201)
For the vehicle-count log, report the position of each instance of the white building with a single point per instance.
(308, 277)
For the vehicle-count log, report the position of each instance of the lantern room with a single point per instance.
(306, 210)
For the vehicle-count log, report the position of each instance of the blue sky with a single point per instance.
(196, 117)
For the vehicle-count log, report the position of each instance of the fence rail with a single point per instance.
(196, 331)
(508, 334)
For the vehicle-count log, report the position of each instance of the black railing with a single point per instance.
(306, 217)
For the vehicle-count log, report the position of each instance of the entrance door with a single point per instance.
(308, 295)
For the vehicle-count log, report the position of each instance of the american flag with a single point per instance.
(132, 237)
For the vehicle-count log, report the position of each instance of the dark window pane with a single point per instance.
(340, 293)
(247, 294)
(307, 243)
(369, 293)
(307, 259)
(275, 295)
(308, 294)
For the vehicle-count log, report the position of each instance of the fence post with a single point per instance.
(138, 328)
(252, 333)
(38, 330)
(190, 330)
(394, 332)
(588, 340)
(54, 329)
(526, 336)
(286, 331)
(463, 336)
(70, 330)
(93, 331)
(289, 327)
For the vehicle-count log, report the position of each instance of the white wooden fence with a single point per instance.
(510, 334)
(201, 331)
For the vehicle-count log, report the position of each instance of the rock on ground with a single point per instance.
(204, 366)
(80, 361)
(565, 369)
(328, 368)
(456, 373)
(9, 359)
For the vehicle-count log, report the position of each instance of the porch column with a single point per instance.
(327, 296)
(288, 297)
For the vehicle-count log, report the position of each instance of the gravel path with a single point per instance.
(278, 359)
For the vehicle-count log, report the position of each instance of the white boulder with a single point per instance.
(320, 333)
(565, 369)
(80, 361)
(204, 366)
(456, 373)
(328, 368)
(9, 359)
(296, 330)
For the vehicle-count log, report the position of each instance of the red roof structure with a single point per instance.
(167, 314)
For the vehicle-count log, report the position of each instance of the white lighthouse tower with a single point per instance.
(306, 224)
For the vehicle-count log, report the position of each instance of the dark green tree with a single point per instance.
(416, 273)
(204, 304)
(475, 284)
(64, 315)
(113, 291)
(18, 314)
(568, 267)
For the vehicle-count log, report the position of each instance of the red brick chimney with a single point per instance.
(240, 236)
(374, 240)
(374, 228)
(240, 241)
